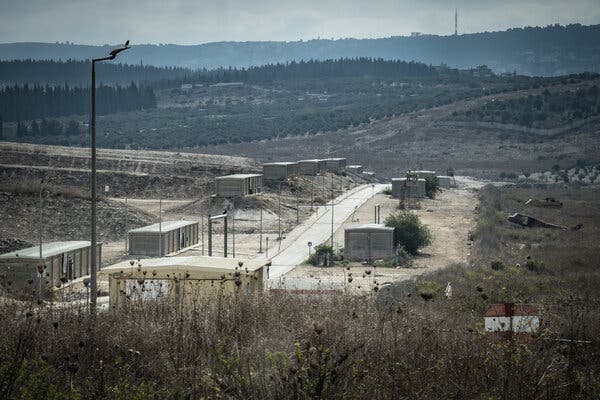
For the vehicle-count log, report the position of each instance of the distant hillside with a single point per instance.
(553, 50)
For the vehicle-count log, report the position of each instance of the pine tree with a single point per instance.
(35, 128)
(21, 129)
(72, 129)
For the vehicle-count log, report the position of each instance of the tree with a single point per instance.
(72, 129)
(409, 232)
(322, 256)
(21, 129)
(432, 186)
(35, 128)
(1, 128)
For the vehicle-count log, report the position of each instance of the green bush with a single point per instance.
(322, 255)
(409, 232)
(432, 186)
(535, 266)
(497, 265)
(403, 259)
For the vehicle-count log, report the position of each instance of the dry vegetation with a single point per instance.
(436, 139)
(404, 341)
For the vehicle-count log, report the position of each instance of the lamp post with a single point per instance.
(93, 282)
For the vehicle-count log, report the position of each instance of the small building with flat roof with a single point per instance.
(357, 169)
(424, 174)
(280, 170)
(238, 185)
(445, 182)
(311, 167)
(368, 242)
(184, 279)
(162, 238)
(402, 188)
(60, 260)
(335, 164)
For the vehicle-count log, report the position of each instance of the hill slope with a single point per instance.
(553, 50)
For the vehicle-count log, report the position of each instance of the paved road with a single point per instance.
(317, 229)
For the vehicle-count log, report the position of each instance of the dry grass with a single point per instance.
(393, 344)
(33, 187)
(280, 347)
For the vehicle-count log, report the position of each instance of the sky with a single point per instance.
(201, 21)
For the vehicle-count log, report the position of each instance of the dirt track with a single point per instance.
(450, 217)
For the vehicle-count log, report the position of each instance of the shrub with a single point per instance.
(432, 186)
(403, 259)
(409, 232)
(497, 265)
(535, 266)
(322, 255)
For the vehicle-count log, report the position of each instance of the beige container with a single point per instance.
(183, 279)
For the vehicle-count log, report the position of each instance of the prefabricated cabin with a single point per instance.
(184, 279)
(238, 185)
(60, 260)
(368, 242)
(163, 238)
(280, 170)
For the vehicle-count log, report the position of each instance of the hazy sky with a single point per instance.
(201, 21)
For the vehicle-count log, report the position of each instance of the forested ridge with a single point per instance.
(229, 105)
(37, 101)
(78, 73)
(550, 50)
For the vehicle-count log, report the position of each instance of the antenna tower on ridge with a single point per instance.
(456, 22)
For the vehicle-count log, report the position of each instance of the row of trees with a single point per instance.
(47, 127)
(545, 110)
(315, 69)
(77, 73)
(31, 102)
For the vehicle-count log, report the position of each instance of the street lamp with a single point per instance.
(93, 282)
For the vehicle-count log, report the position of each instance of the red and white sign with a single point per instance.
(502, 321)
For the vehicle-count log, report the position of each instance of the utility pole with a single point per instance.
(160, 240)
(225, 236)
(332, 202)
(260, 233)
(279, 214)
(233, 231)
(126, 227)
(41, 239)
(202, 231)
(209, 236)
(93, 240)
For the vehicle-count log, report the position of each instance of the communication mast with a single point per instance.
(456, 22)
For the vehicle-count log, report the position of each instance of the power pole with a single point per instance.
(160, 241)
(332, 202)
(260, 231)
(126, 227)
(279, 214)
(202, 232)
(209, 236)
(41, 238)
(225, 236)
(233, 231)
